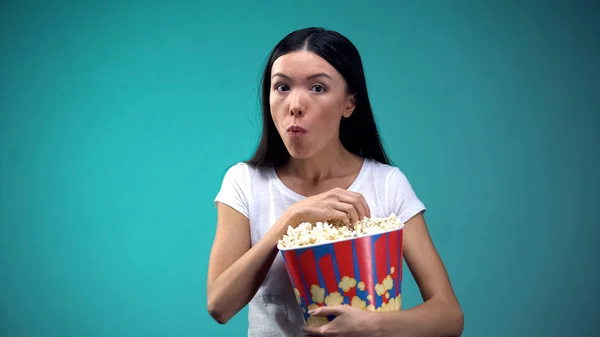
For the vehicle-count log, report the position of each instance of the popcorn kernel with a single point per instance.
(388, 282)
(318, 293)
(334, 299)
(380, 289)
(347, 283)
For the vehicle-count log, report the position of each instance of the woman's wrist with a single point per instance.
(379, 323)
(289, 218)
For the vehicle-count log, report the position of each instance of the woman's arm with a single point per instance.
(236, 271)
(439, 315)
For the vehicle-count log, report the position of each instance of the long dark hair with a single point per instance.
(358, 133)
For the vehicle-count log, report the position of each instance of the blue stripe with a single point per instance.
(319, 252)
(360, 293)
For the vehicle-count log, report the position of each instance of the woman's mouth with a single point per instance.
(296, 130)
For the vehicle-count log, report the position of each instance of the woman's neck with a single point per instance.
(332, 162)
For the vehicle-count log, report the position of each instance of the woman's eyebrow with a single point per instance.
(309, 77)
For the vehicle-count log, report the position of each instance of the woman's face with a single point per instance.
(308, 99)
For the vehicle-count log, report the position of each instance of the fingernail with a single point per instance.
(310, 312)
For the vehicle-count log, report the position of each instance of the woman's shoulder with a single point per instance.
(245, 171)
(383, 171)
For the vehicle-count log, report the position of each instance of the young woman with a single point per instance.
(320, 157)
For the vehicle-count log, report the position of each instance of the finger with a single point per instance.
(340, 215)
(353, 198)
(335, 310)
(363, 202)
(367, 209)
(349, 209)
(312, 330)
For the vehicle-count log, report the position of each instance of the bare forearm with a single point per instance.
(234, 288)
(434, 318)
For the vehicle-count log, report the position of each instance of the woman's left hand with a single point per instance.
(349, 321)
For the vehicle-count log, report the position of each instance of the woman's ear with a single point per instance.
(350, 105)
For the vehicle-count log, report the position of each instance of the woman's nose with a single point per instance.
(296, 111)
(297, 108)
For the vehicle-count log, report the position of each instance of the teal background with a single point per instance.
(118, 120)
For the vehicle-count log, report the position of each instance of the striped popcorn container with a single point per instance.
(364, 272)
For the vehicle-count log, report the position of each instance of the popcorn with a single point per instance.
(334, 299)
(297, 292)
(332, 276)
(380, 289)
(317, 320)
(322, 232)
(388, 282)
(394, 304)
(358, 303)
(318, 293)
(348, 283)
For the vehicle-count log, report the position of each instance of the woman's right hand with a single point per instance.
(336, 204)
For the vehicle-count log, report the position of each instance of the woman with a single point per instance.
(320, 157)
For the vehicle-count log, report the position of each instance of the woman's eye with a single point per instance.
(282, 87)
(318, 88)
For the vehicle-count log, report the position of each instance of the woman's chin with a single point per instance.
(297, 152)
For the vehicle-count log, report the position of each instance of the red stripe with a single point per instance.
(363, 252)
(394, 254)
(309, 270)
(345, 261)
(401, 243)
(326, 265)
(294, 270)
(381, 259)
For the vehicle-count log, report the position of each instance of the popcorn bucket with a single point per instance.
(364, 272)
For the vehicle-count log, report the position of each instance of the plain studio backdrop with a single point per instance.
(118, 120)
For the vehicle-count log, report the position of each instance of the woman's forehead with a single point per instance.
(301, 65)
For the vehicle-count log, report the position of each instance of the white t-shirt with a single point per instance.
(260, 195)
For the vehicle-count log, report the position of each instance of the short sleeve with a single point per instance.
(404, 201)
(235, 189)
